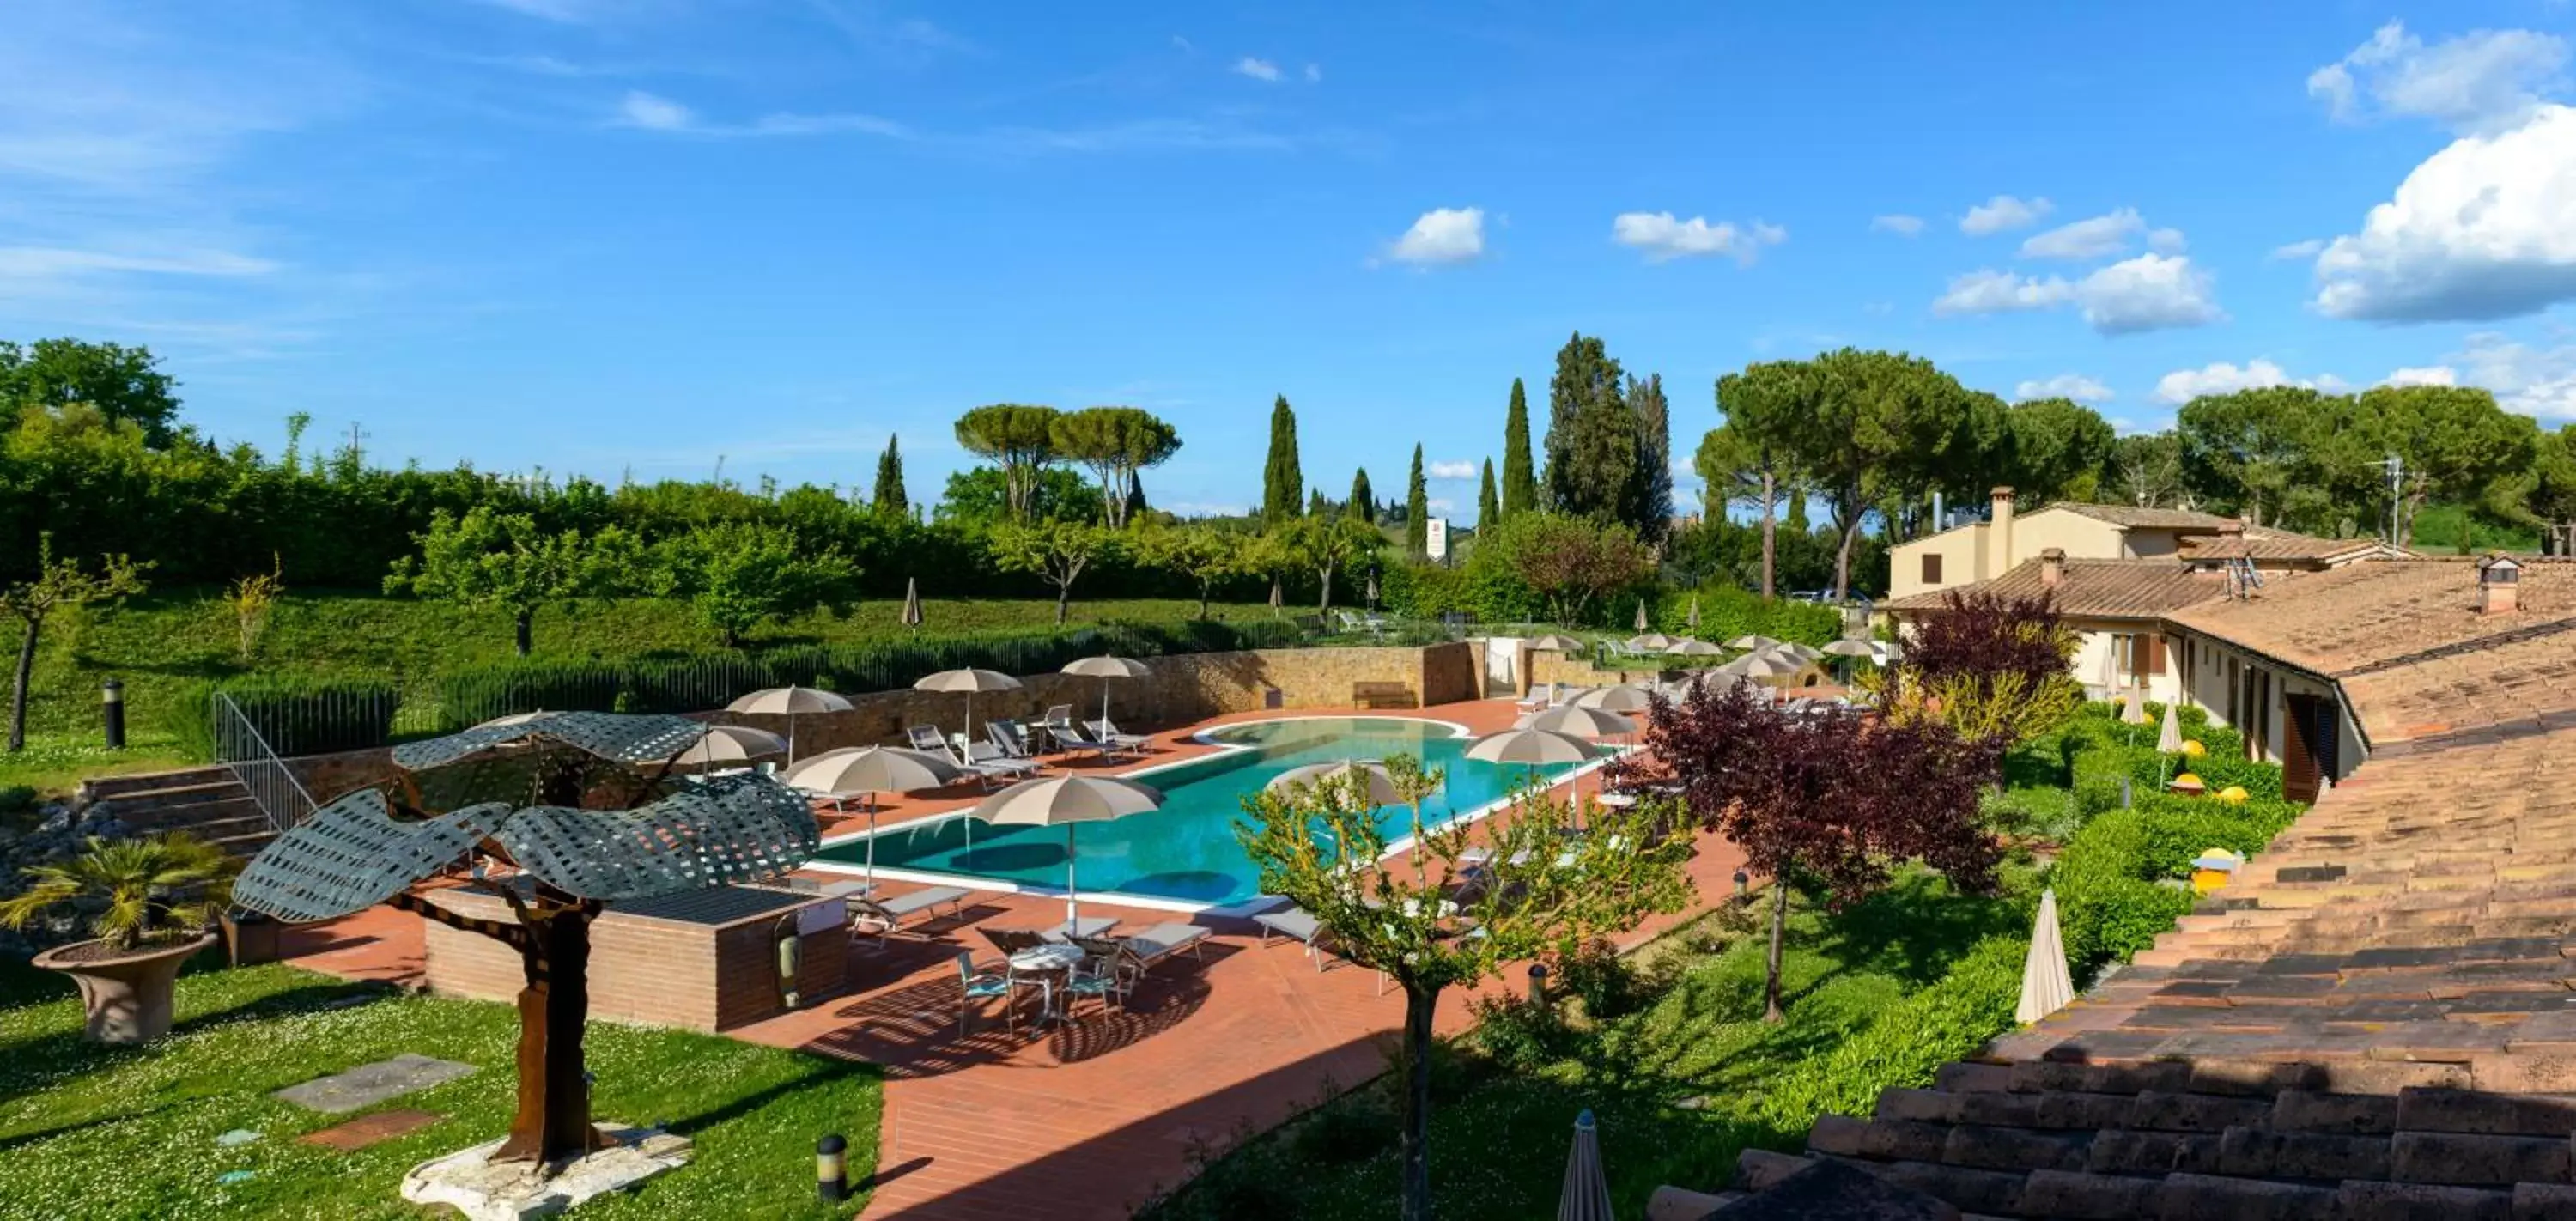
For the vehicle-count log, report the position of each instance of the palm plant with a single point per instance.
(159, 889)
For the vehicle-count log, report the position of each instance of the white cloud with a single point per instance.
(1314, 74)
(2223, 377)
(2074, 386)
(2150, 292)
(2091, 238)
(46, 262)
(2300, 250)
(1450, 470)
(2423, 375)
(2004, 212)
(1441, 236)
(1987, 291)
(2485, 228)
(2536, 381)
(1897, 223)
(1663, 238)
(1257, 69)
(2479, 81)
(2166, 241)
(652, 112)
(1439, 504)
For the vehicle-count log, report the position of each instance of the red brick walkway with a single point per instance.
(1086, 1120)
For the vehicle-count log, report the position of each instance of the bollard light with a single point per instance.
(112, 696)
(831, 1169)
(2124, 792)
(1743, 883)
(1538, 983)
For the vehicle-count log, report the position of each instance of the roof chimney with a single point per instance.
(1999, 550)
(2052, 567)
(2499, 585)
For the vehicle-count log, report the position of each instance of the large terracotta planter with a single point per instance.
(127, 996)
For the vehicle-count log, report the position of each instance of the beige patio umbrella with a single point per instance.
(1653, 642)
(1067, 801)
(1792, 648)
(968, 681)
(1104, 668)
(1619, 698)
(2169, 736)
(1848, 647)
(790, 702)
(1381, 783)
(1575, 720)
(1556, 642)
(1533, 747)
(1761, 665)
(730, 744)
(1751, 642)
(1692, 648)
(912, 603)
(2046, 986)
(1586, 1196)
(870, 770)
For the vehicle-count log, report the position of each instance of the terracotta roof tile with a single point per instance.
(2154, 519)
(2381, 611)
(2275, 545)
(2094, 589)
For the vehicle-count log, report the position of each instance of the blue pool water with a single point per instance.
(1187, 850)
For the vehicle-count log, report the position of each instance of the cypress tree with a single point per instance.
(1652, 510)
(1135, 497)
(1318, 506)
(1417, 511)
(890, 499)
(1489, 508)
(1280, 479)
(1520, 477)
(1591, 436)
(1363, 502)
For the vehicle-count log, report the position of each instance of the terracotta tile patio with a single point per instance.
(1082, 1120)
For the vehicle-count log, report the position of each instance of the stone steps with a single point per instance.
(207, 803)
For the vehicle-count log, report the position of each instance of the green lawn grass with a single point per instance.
(158, 643)
(106, 1134)
(1676, 1086)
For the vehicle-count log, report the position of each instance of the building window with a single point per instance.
(1931, 569)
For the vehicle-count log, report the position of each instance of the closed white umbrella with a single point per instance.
(1642, 623)
(1105, 668)
(871, 770)
(1620, 698)
(1692, 619)
(1586, 1196)
(1579, 721)
(969, 681)
(1380, 782)
(1066, 801)
(730, 744)
(2169, 737)
(790, 702)
(2133, 706)
(912, 603)
(2046, 986)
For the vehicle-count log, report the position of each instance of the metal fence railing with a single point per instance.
(244, 750)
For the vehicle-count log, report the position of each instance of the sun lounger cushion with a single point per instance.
(921, 900)
(1296, 923)
(1165, 940)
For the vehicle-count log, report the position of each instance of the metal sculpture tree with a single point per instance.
(584, 805)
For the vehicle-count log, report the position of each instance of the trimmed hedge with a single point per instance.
(1947, 1021)
(695, 682)
(295, 717)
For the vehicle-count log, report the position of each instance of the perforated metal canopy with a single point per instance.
(353, 854)
(621, 737)
(731, 829)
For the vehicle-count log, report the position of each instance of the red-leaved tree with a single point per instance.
(1837, 798)
(1988, 636)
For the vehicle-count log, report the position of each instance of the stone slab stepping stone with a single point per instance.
(369, 1084)
(484, 1190)
(368, 1130)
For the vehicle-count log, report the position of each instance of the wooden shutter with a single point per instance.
(1932, 569)
(2155, 654)
(2302, 762)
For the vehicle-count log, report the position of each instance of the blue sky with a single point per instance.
(604, 236)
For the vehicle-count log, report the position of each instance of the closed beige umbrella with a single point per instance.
(1586, 1195)
(968, 681)
(790, 702)
(2133, 706)
(730, 744)
(1691, 620)
(1067, 801)
(912, 603)
(1105, 668)
(870, 770)
(2046, 985)
(2169, 737)
(1642, 622)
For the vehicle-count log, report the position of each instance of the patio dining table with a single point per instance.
(1053, 959)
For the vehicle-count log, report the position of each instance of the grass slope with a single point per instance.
(107, 1134)
(1680, 1086)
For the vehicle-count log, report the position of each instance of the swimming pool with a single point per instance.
(1185, 853)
